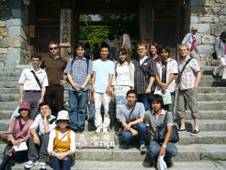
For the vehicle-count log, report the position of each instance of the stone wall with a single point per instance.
(210, 19)
(13, 37)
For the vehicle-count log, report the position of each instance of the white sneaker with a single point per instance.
(42, 166)
(98, 130)
(105, 130)
(29, 164)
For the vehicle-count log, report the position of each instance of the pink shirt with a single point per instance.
(19, 129)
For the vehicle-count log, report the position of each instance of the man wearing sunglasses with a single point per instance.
(54, 66)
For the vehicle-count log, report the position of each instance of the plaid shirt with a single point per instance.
(141, 78)
(188, 77)
(78, 70)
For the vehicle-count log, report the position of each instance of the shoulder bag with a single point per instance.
(160, 133)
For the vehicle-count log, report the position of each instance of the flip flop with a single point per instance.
(182, 130)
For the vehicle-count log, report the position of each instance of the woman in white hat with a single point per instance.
(61, 147)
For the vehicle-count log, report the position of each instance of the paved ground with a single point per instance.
(118, 165)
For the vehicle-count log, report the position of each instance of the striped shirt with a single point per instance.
(78, 70)
(188, 77)
(141, 78)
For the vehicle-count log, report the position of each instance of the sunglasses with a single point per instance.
(53, 48)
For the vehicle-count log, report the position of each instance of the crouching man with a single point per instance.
(157, 117)
(131, 116)
(43, 124)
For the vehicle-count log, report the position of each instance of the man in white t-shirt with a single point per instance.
(43, 124)
(102, 88)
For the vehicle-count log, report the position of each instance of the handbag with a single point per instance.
(167, 98)
(161, 164)
(21, 147)
(161, 131)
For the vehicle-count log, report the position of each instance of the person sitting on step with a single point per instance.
(43, 124)
(18, 133)
(61, 145)
(131, 116)
(157, 117)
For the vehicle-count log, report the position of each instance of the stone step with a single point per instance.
(208, 125)
(212, 105)
(209, 114)
(9, 78)
(9, 97)
(201, 97)
(193, 152)
(9, 84)
(8, 105)
(212, 90)
(212, 137)
(203, 105)
(212, 84)
(137, 165)
(5, 114)
(12, 90)
(211, 97)
(10, 73)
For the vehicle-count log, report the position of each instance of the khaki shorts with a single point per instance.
(187, 98)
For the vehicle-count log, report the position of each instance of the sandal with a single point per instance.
(196, 131)
(181, 130)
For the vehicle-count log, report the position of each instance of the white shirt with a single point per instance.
(125, 74)
(143, 59)
(188, 39)
(102, 70)
(62, 137)
(38, 123)
(172, 68)
(28, 80)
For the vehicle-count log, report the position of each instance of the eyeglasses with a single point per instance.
(53, 48)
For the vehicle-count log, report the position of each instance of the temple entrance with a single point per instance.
(162, 21)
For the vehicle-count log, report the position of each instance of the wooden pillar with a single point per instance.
(146, 20)
(66, 32)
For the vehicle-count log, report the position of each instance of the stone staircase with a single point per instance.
(206, 150)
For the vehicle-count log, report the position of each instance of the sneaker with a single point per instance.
(169, 162)
(98, 130)
(147, 162)
(42, 166)
(105, 130)
(143, 149)
(29, 164)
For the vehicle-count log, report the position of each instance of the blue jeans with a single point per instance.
(77, 106)
(145, 99)
(58, 164)
(126, 137)
(154, 150)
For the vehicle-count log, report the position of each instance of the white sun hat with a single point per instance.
(63, 115)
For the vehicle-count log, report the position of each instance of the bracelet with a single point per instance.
(164, 145)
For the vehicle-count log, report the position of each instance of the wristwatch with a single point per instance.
(164, 145)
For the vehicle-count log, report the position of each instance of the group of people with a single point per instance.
(143, 90)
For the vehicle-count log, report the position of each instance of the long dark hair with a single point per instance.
(156, 46)
(124, 51)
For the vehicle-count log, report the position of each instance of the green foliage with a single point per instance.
(94, 34)
(97, 32)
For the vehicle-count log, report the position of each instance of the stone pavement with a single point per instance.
(126, 165)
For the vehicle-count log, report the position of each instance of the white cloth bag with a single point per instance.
(161, 164)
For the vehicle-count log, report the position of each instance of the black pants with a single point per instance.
(54, 96)
(8, 161)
